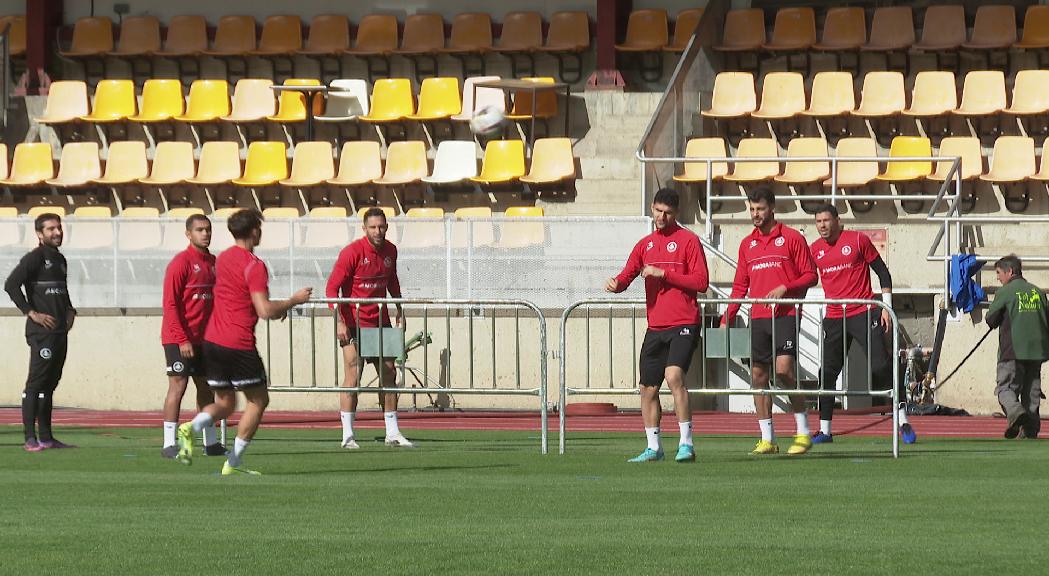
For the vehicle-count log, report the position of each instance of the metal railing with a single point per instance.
(5, 74)
(565, 391)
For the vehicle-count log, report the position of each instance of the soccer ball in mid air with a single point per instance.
(487, 120)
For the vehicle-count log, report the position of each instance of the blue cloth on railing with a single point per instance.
(965, 292)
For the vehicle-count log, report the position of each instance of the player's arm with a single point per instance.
(175, 278)
(277, 309)
(28, 267)
(806, 267)
(621, 281)
(342, 270)
(697, 278)
(885, 281)
(394, 288)
(740, 286)
(996, 312)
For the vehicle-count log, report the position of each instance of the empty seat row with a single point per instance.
(648, 30)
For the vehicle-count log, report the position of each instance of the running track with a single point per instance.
(704, 422)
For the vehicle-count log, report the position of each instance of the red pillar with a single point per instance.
(43, 18)
(611, 19)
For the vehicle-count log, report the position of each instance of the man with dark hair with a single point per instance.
(49, 318)
(774, 262)
(231, 362)
(674, 267)
(845, 260)
(188, 284)
(366, 268)
(1020, 311)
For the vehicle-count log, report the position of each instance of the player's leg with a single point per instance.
(178, 380)
(833, 360)
(869, 331)
(761, 348)
(651, 363)
(45, 404)
(348, 401)
(205, 397)
(221, 369)
(36, 383)
(388, 401)
(786, 377)
(682, 346)
(249, 377)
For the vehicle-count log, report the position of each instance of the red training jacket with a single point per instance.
(766, 262)
(188, 296)
(362, 272)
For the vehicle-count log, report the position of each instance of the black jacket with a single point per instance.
(43, 274)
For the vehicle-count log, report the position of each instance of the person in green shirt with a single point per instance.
(1021, 313)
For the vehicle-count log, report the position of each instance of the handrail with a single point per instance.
(5, 76)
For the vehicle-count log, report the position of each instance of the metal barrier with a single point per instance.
(705, 326)
(433, 313)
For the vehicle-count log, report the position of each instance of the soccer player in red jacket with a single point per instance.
(845, 260)
(672, 262)
(774, 262)
(366, 268)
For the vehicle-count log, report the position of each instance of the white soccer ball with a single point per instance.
(487, 120)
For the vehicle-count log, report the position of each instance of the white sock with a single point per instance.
(391, 424)
(169, 433)
(239, 446)
(802, 421)
(825, 427)
(903, 415)
(686, 433)
(347, 425)
(653, 438)
(202, 420)
(211, 435)
(766, 430)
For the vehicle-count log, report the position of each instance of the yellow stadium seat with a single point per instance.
(183, 212)
(983, 93)
(35, 211)
(503, 162)
(943, 29)
(423, 234)
(994, 28)
(208, 101)
(66, 102)
(78, 165)
(545, 102)
(485, 97)
(219, 163)
(904, 146)
(114, 101)
(234, 36)
(187, 36)
(328, 212)
(782, 96)
(755, 171)
(1043, 168)
(3, 161)
(311, 165)
(455, 161)
(252, 101)
(832, 95)
(696, 172)
(843, 29)
(329, 35)
(139, 235)
(473, 225)
(125, 164)
(892, 29)
(438, 99)
(883, 95)
(405, 163)
(1036, 28)
(391, 101)
(471, 33)
(92, 37)
(522, 234)
(744, 31)
(805, 172)
(1030, 93)
(172, 164)
(423, 34)
(281, 35)
(855, 174)
(376, 35)
(293, 104)
(32, 165)
(266, 164)
(552, 162)
(225, 212)
(139, 36)
(425, 213)
(934, 94)
(968, 148)
(16, 35)
(162, 101)
(734, 95)
(359, 163)
(326, 234)
(684, 27)
(1012, 160)
(646, 31)
(795, 29)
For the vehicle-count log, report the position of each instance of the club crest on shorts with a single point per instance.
(672, 247)
(788, 344)
(45, 353)
(780, 241)
(846, 250)
(178, 367)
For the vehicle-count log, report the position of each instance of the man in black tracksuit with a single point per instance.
(50, 315)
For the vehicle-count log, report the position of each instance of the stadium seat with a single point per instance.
(135, 236)
(35, 211)
(423, 37)
(471, 34)
(438, 100)
(755, 171)
(734, 96)
(234, 36)
(943, 30)
(552, 162)
(646, 31)
(405, 163)
(162, 101)
(281, 36)
(252, 101)
(10, 227)
(514, 235)
(87, 235)
(347, 99)
(359, 163)
(183, 212)
(994, 29)
(187, 36)
(545, 102)
(208, 102)
(32, 165)
(843, 29)
(78, 165)
(455, 161)
(832, 95)
(219, 163)
(684, 27)
(311, 165)
(1012, 160)
(522, 35)
(329, 35)
(292, 105)
(391, 101)
(934, 94)
(172, 164)
(114, 101)
(905, 146)
(883, 95)
(782, 96)
(696, 172)
(326, 234)
(125, 164)
(855, 174)
(1043, 168)
(280, 228)
(139, 36)
(744, 31)
(376, 36)
(983, 93)
(16, 35)
(1030, 93)
(1036, 28)
(795, 29)
(266, 164)
(892, 29)
(66, 102)
(568, 36)
(92, 38)
(503, 162)
(415, 235)
(473, 225)
(485, 97)
(3, 161)
(805, 172)
(968, 148)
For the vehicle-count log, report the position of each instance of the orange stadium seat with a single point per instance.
(795, 29)
(329, 35)
(944, 29)
(16, 35)
(567, 37)
(1036, 28)
(684, 27)
(646, 31)
(892, 29)
(376, 36)
(139, 36)
(423, 35)
(92, 38)
(734, 96)
(187, 36)
(696, 172)
(994, 29)
(281, 36)
(522, 32)
(843, 29)
(471, 33)
(744, 31)
(234, 36)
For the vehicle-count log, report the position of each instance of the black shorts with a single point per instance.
(47, 358)
(662, 348)
(761, 338)
(227, 368)
(179, 366)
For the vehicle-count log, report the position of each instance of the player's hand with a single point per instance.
(777, 292)
(186, 349)
(302, 296)
(612, 285)
(399, 318)
(652, 272)
(342, 331)
(46, 320)
(886, 320)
